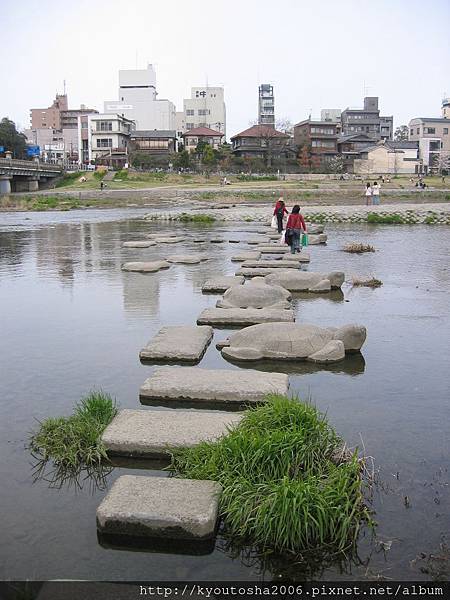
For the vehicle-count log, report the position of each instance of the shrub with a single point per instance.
(99, 174)
(198, 218)
(288, 483)
(68, 178)
(373, 282)
(122, 174)
(257, 178)
(392, 219)
(358, 248)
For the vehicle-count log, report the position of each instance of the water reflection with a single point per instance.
(59, 476)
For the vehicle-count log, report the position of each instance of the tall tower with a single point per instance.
(266, 105)
(446, 108)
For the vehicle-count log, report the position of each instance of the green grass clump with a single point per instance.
(73, 443)
(392, 219)
(122, 174)
(287, 484)
(257, 178)
(44, 203)
(99, 174)
(198, 218)
(68, 179)
(358, 248)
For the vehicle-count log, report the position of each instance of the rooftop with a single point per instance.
(258, 131)
(203, 131)
(154, 133)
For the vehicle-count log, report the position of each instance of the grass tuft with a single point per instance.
(197, 218)
(392, 219)
(372, 282)
(288, 485)
(358, 248)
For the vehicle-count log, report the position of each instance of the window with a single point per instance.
(84, 124)
(322, 144)
(104, 126)
(202, 124)
(445, 130)
(189, 125)
(104, 143)
(411, 131)
(190, 112)
(323, 130)
(203, 112)
(429, 130)
(418, 130)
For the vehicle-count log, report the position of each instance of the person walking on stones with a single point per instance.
(376, 192)
(279, 211)
(368, 194)
(295, 228)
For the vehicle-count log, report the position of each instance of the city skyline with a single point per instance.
(319, 55)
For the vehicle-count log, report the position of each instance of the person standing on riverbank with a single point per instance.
(295, 227)
(368, 194)
(279, 211)
(376, 193)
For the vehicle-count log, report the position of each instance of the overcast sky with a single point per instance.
(316, 53)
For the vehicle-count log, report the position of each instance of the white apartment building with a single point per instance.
(138, 101)
(107, 134)
(205, 108)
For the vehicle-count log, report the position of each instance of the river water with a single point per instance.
(72, 321)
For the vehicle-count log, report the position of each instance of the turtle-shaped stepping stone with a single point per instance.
(146, 267)
(187, 259)
(306, 281)
(139, 244)
(255, 295)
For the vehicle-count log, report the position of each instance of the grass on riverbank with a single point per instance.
(358, 248)
(73, 443)
(288, 485)
(195, 218)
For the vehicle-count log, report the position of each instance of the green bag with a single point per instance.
(305, 240)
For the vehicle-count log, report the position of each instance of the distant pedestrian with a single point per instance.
(376, 193)
(102, 185)
(368, 194)
(279, 211)
(295, 228)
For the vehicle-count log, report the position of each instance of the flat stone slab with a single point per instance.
(144, 244)
(221, 284)
(178, 343)
(164, 234)
(300, 257)
(273, 248)
(187, 259)
(217, 240)
(255, 272)
(160, 507)
(255, 295)
(320, 238)
(170, 240)
(154, 433)
(224, 388)
(307, 281)
(293, 342)
(258, 240)
(275, 236)
(221, 317)
(269, 264)
(146, 267)
(314, 229)
(246, 256)
(234, 240)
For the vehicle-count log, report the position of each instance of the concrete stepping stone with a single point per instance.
(246, 256)
(160, 507)
(293, 342)
(320, 238)
(221, 284)
(258, 240)
(269, 264)
(154, 433)
(275, 236)
(211, 387)
(144, 244)
(217, 240)
(256, 294)
(146, 267)
(314, 229)
(187, 259)
(170, 240)
(199, 240)
(307, 281)
(273, 248)
(234, 240)
(237, 317)
(164, 234)
(300, 257)
(245, 272)
(178, 343)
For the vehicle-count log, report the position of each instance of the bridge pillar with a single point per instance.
(33, 185)
(5, 185)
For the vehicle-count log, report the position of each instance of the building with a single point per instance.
(332, 115)
(261, 141)
(108, 138)
(205, 108)
(388, 157)
(138, 101)
(446, 108)
(432, 135)
(349, 147)
(153, 142)
(367, 120)
(69, 117)
(55, 145)
(320, 137)
(266, 105)
(202, 134)
(49, 118)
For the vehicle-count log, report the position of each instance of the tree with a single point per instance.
(304, 157)
(401, 133)
(182, 160)
(285, 125)
(442, 163)
(336, 163)
(11, 139)
(316, 162)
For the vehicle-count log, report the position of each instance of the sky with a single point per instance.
(316, 53)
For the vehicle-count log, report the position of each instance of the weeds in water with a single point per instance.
(373, 282)
(358, 248)
(198, 218)
(288, 486)
(392, 219)
(73, 444)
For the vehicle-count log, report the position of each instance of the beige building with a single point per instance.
(388, 157)
(108, 138)
(205, 108)
(433, 137)
(201, 134)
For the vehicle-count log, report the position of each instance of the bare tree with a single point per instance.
(442, 162)
(285, 125)
(336, 163)
(401, 133)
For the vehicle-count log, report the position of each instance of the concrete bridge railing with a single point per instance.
(24, 175)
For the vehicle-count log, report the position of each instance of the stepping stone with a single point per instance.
(187, 259)
(293, 342)
(307, 281)
(211, 387)
(275, 236)
(170, 240)
(255, 272)
(273, 248)
(256, 294)
(259, 240)
(139, 244)
(199, 241)
(246, 256)
(300, 257)
(165, 234)
(160, 507)
(321, 238)
(153, 433)
(217, 240)
(221, 284)
(314, 229)
(234, 240)
(269, 264)
(179, 343)
(229, 317)
(146, 267)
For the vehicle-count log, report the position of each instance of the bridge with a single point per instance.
(25, 175)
